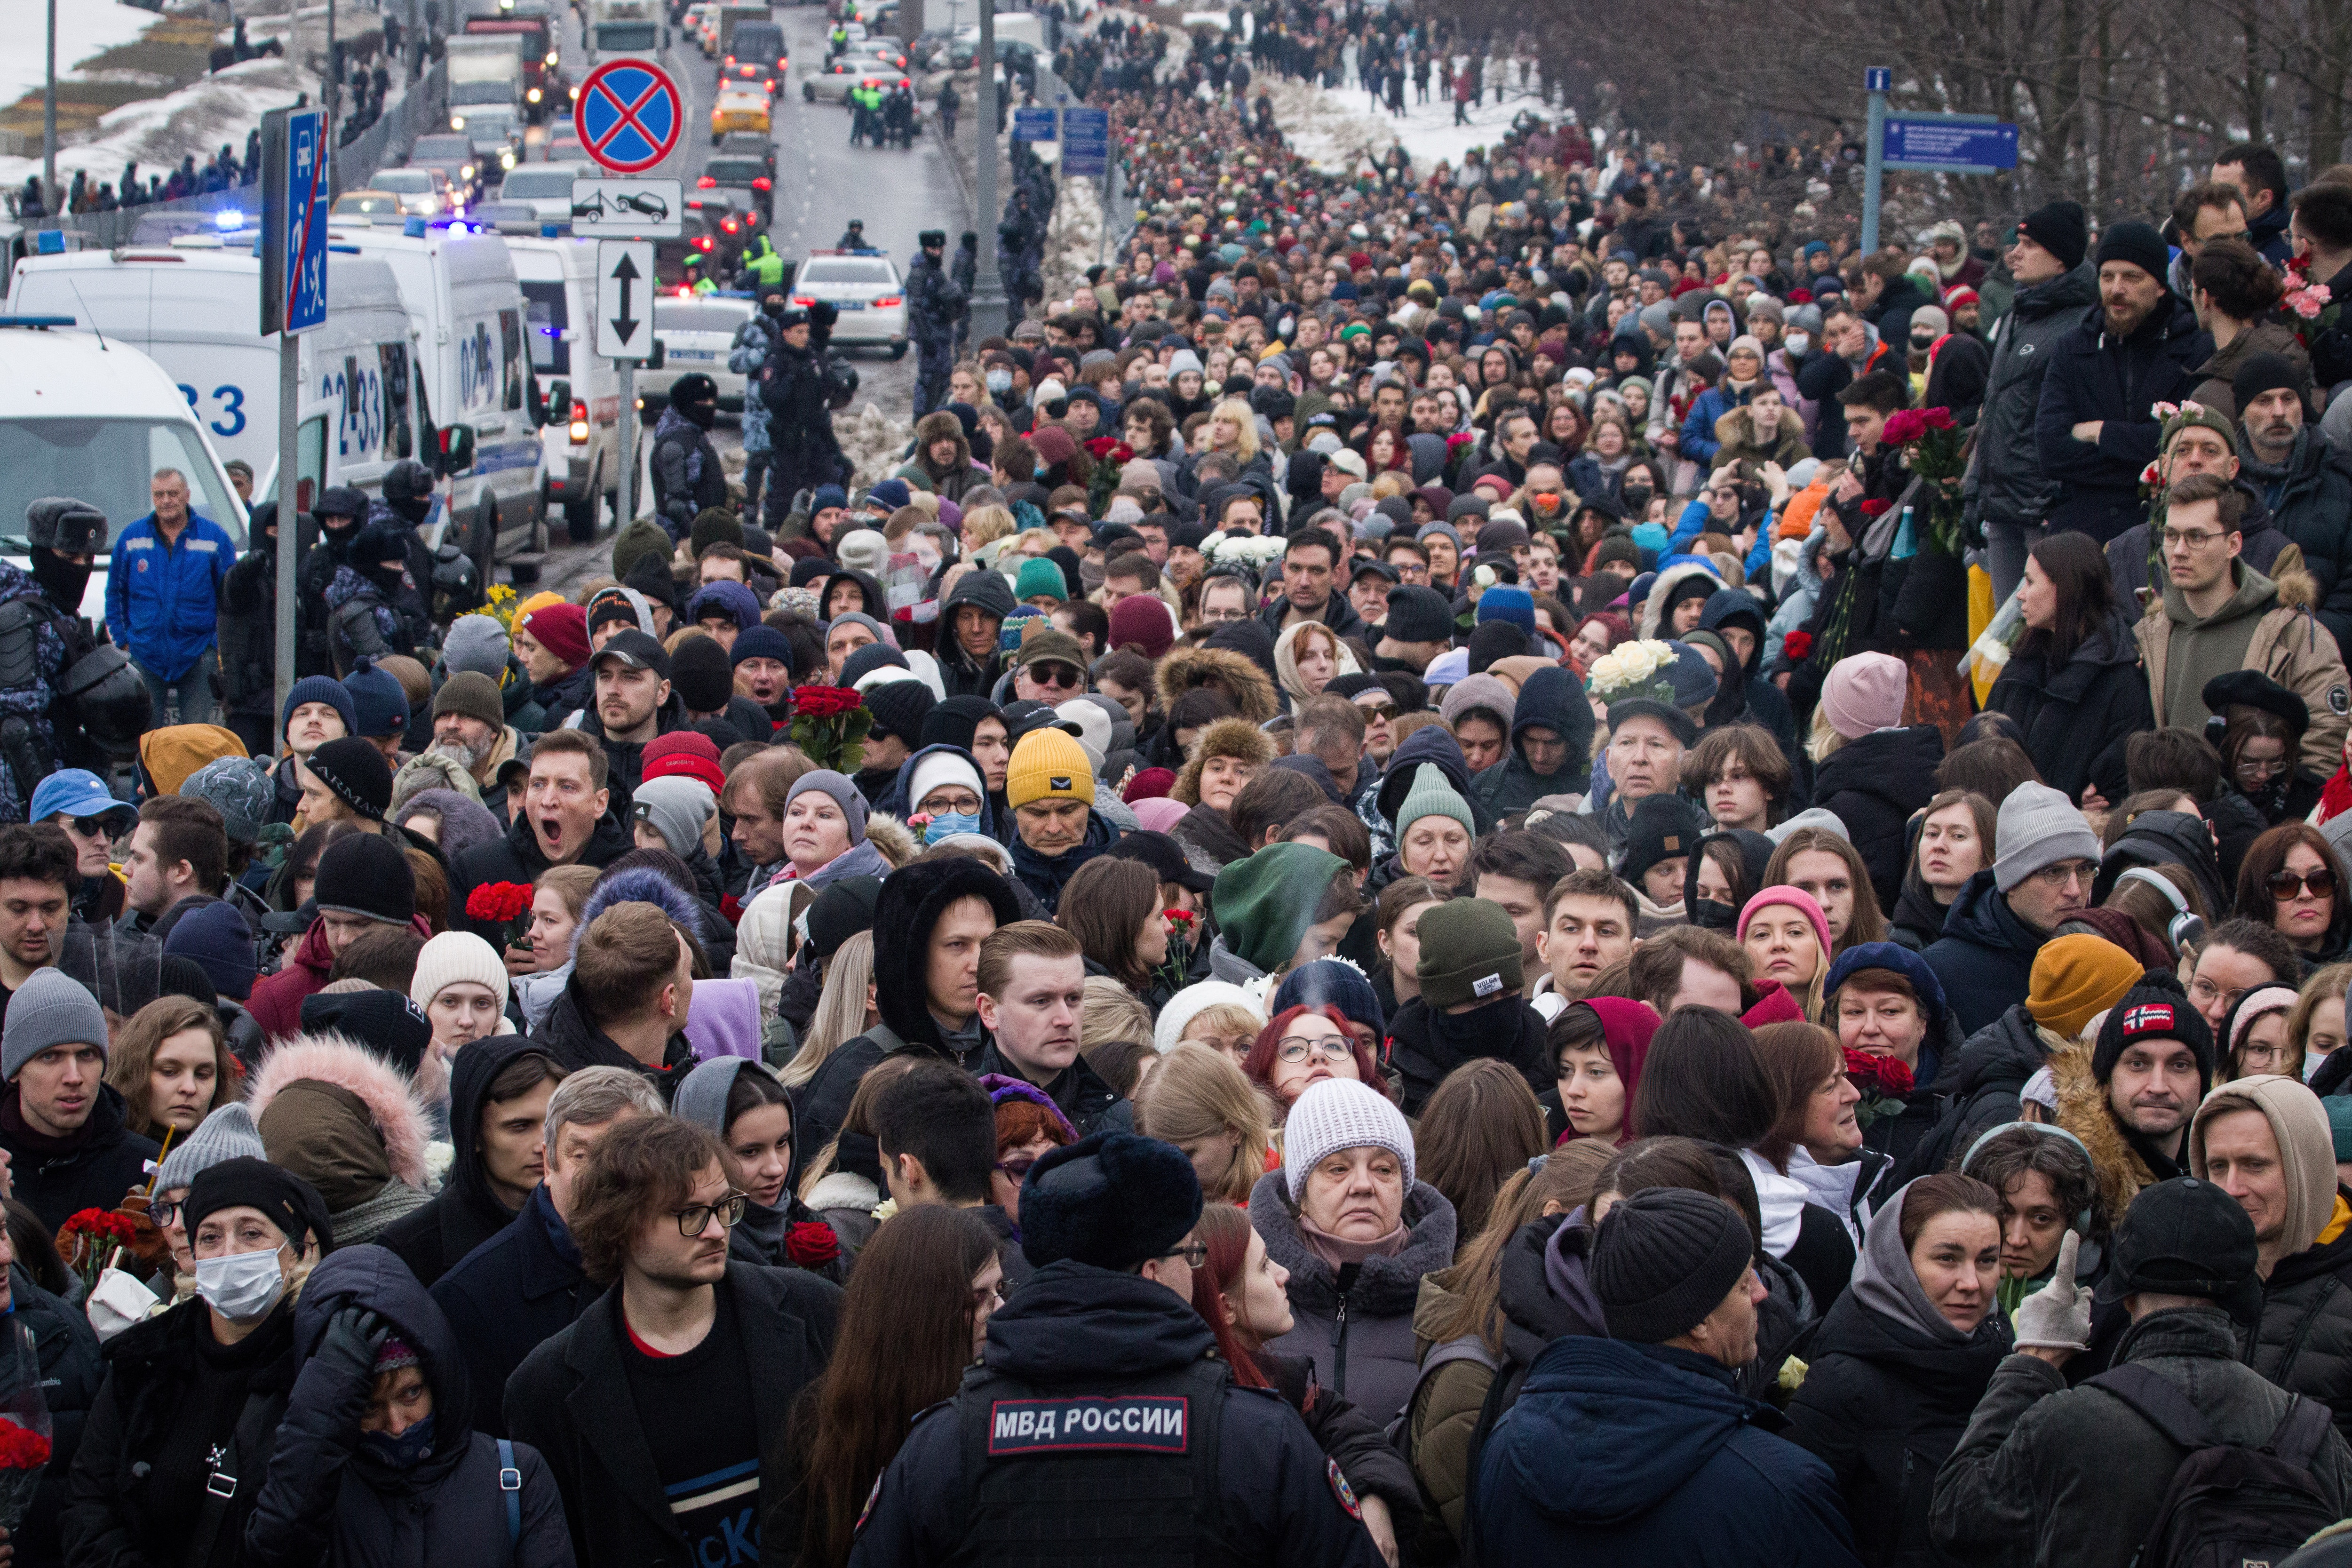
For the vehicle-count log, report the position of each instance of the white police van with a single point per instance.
(473, 377)
(582, 392)
(193, 306)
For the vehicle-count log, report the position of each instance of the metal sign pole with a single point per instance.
(988, 302)
(628, 443)
(1877, 79)
(289, 393)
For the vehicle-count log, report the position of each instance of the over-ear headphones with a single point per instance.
(2082, 1221)
(2184, 930)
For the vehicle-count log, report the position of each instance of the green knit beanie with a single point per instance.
(641, 538)
(1432, 796)
(1469, 952)
(1264, 902)
(1039, 575)
(714, 525)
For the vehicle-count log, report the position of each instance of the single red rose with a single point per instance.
(812, 1244)
(1796, 644)
(1874, 507)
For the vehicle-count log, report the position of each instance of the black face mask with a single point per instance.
(1636, 497)
(60, 579)
(702, 415)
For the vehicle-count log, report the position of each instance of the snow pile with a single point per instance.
(157, 133)
(873, 441)
(1332, 128)
(86, 29)
(1073, 236)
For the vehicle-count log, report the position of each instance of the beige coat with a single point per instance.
(2289, 646)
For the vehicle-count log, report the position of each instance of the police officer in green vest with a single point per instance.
(1100, 1383)
(763, 269)
(837, 41)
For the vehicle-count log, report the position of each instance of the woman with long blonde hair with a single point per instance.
(1232, 427)
(845, 1009)
(1199, 1100)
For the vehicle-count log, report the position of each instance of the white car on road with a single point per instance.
(863, 286)
(695, 333)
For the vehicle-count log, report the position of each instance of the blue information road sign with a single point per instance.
(1878, 79)
(628, 116)
(1953, 144)
(1086, 140)
(1033, 125)
(305, 204)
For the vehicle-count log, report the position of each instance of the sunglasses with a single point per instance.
(1053, 675)
(2283, 884)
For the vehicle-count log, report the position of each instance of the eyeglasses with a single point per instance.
(2203, 994)
(1049, 674)
(2260, 768)
(1194, 1252)
(1297, 1049)
(2192, 538)
(162, 1211)
(964, 804)
(2283, 884)
(1223, 617)
(2065, 871)
(1018, 1167)
(695, 1218)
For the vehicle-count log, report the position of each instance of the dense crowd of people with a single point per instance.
(1364, 912)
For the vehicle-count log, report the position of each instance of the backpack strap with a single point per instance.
(2160, 1404)
(2300, 1431)
(250, 1437)
(510, 1483)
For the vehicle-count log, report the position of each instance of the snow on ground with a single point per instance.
(1073, 236)
(156, 132)
(86, 29)
(1331, 126)
(874, 442)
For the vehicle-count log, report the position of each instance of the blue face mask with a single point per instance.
(1000, 381)
(405, 1452)
(950, 822)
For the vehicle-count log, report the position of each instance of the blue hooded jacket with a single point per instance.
(1619, 1453)
(994, 820)
(1985, 957)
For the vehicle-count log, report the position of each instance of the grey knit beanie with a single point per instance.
(2038, 826)
(49, 1009)
(229, 1133)
(476, 643)
(1665, 1258)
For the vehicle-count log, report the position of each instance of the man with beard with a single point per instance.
(469, 727)
(2304, 478)
(792, 386)
(687, 474)
(2093, 429)
(634, 703)
(2151, 1065)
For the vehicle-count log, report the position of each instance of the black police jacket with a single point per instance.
(1106, 1381)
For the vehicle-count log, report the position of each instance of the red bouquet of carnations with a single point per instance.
(506, 904)
(89, 1238)
(831, 723)
(1796, 644)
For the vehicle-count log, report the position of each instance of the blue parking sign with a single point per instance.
(305, 200)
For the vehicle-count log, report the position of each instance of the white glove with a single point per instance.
(2057, 1316)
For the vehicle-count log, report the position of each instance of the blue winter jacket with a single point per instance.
(1697, 440)
(1643, 1454)
(1985, 957)
(162, 601)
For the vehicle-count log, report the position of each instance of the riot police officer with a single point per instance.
(65, 697)
(853, 237)
(688, 476)
(934, 305)
(1100, 1382)
(754, 341)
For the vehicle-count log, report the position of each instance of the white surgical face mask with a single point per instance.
(1799, 342)
(242, 1286)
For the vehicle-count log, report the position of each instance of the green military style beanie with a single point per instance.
(1469, 953)
(1432, 796)
(1265, 901)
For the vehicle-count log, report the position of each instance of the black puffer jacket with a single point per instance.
(2077, 716)
(1425, 1044)
(1985, 957)
(1977, 1090)
(2310, 500)
(2005, 482)
(2305, 1342)
(1884, 1402)
(1874, 783)
(2168, 837)
(1355, 1324)
(466, 1212)
(327, 1499)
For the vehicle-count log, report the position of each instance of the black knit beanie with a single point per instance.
(366, 874)
(356, 771)
(1665, 1258)
(702, 675)
(1660, 827)
(2061, 229)
(2156, 1009)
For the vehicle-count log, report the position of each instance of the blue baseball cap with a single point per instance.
(74, 792)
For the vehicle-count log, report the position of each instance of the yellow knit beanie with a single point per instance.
(1048, 765)
(2075, 979)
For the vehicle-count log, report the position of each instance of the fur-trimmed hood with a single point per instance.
(895, 840)
(1226, 737)
(640, 885)
(396, 1112)
(2082, 1111)
(2297, 588)
(1236, 674)
(1654, 607)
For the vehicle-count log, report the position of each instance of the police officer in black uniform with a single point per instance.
(1101, 1384)
(934, 305)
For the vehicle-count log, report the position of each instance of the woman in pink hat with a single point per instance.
(1874, 772)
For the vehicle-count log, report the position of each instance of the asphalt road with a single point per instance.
(822, 181)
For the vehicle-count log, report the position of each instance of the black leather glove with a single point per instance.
(354, 1338)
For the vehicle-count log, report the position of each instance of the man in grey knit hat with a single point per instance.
(1695, 1472)
(65, 1128)
(2045, 858)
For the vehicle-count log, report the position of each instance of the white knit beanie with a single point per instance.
(938, 768)
(1192, 1002)
(453, 956)
(1339, 1113)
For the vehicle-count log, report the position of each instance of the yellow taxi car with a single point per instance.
(739, 109)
